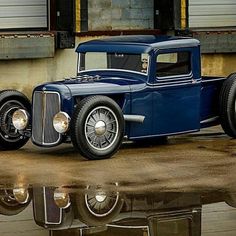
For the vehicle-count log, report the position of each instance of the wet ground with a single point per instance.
(193, 162)
(185, 186)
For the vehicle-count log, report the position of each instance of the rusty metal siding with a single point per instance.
(212, 13)
(25, 47)
(120, 14)
(23, 14)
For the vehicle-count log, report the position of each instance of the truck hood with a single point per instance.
(105, 82)
(100, 86)
(93, 83)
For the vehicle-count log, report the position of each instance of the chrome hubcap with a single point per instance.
(101, 197)
(101, 128)
(101, 205)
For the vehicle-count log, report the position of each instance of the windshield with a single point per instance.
(118, 61)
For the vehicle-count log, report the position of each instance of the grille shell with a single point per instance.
(45, 106)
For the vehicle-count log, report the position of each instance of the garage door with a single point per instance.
(23, 14)
(212, 13)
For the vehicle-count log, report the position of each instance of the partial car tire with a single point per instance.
(10, 101)
(97, 209)
(9, 206)
(228, 106)
(97, 127)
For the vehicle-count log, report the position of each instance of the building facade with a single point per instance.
(38, 37)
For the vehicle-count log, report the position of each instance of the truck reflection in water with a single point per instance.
(96, 211)
(14, 201)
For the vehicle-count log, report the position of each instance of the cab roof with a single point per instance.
(136, 43)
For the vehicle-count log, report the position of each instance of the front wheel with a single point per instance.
(98, 208)
(97, 127)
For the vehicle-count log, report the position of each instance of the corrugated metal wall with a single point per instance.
(23, 14)
(212, 13)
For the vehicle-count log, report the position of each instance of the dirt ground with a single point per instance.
(194, 162)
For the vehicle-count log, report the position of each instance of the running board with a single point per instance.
(213, 119)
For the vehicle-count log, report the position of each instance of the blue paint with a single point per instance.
(170, 105)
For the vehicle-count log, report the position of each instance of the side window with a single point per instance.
(171, 64)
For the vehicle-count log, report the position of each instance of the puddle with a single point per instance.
(95, 210)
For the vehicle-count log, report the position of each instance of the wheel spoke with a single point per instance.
(94, 119)
(107, 139)
(90, 134)
(111, 122)
(101, 128)
(99, 114)
(95, 140)
(111, 131)
(91, 125)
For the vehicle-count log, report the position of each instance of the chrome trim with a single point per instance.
(78, 64)
(189, 75)
(66, 116)
(127, 226)
(134, 118)
(135, 72)
(171, 85)
(213, 80)
(26, 114)
(104, 214)
(43, 118)
(212, 119)
(176, 82)
(115, 132)
(45, 210)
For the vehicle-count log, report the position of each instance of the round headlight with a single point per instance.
(62, 200)
(21, 195)
(20, 119)
(61, 122)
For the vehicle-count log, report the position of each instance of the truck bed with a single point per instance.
(210, 92)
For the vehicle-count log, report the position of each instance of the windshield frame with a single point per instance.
(113, 69)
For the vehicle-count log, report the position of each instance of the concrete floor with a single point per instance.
(194, 162)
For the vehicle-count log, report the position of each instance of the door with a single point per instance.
(176, 92)
(208, 14)
(23, 14)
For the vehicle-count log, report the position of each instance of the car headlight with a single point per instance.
(20, 119)
(21, 195)
(61, 122)
(62, 200)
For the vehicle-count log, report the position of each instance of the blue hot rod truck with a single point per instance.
(135, 86)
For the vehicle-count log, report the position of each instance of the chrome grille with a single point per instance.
(45, 106)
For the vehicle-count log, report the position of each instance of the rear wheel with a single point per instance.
(10, 101)
(228, 106)
(97, 127)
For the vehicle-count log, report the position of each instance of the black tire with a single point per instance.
(91, 109)
(10, 101)
(227, 106)
(100, 213)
